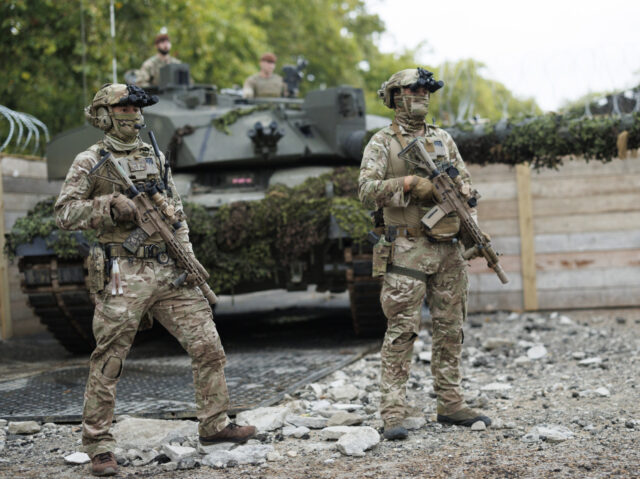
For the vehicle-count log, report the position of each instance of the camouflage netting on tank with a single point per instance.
(40, 222)
(222, 122)
(251, 238)
(545, 140)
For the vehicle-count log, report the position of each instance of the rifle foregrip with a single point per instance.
(501, 274)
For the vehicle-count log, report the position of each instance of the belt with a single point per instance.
(113, 250)
(413, 273)
(392, 232)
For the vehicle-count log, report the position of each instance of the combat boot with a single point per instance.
(231, 433)
(464, 417)
(393, 430)
(104, 464)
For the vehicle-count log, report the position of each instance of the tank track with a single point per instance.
(364, 295)
(58, 295)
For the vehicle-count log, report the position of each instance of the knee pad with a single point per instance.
(112, 368)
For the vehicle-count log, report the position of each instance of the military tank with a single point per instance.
(224, 149)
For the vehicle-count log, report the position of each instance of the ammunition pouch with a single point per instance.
(445, 229)
(382, 256)
(147, 251)
(96, 266)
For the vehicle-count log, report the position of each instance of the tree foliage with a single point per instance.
(222, 40)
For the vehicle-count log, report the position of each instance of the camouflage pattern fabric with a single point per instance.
(150, 70)
(185, 313)
(381, 186)
(85, 203)
(257, 86)
(401, 298)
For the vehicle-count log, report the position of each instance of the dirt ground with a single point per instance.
(577, 371)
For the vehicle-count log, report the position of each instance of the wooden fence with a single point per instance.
(570, 238)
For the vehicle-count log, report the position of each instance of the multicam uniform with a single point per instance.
(258, 86)
(85, 202)
(437, 257)
(150, 70)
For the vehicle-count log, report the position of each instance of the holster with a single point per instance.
(382, 256)
(96, 266)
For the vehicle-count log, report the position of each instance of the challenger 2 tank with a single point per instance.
(225, 149)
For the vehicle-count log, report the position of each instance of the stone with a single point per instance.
(418, 346)
(273, 456)
(537, 352)
(249, 454)
(590, 362)
(140, 433)
(320, 405)
(263, 418)
(291, 453)
(496, 387)
(413, 423)
(496, 343)
(145, 457)
(3, 422)
(602, 392)
(344, 418)
(307, 421)
(188, 463)
(295, 431)
(478, 426)
(549, 433)
(566, 321)
(77, 458)
(222, 446)
(579, 355)
(318, 389)
(522, 361)
(345, 392)
(177, 453)
(333, 433)
(354, 443)
(630, 424)
(23, 427)
(425, 356)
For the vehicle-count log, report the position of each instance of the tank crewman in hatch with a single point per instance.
(149, 73)
(265, 83)
(414, 263)
(89, 202)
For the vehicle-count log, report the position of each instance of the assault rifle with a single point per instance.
(154, 215)
(457, 197)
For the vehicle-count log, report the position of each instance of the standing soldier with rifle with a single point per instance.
(142, 264)
(420, 253)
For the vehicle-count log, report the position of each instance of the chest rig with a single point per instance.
(411, 215)
(143, 170)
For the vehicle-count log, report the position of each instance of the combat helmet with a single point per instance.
(100, 113)
(413, 78)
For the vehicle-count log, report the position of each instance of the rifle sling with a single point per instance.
(413, 273)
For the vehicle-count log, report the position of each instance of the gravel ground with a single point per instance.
(562, 390)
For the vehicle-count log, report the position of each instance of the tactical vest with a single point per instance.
(141, 166)
(411, 215)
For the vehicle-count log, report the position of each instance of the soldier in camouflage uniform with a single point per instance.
(265, 83)
(149, 73)
(89, 202)
(413, 263)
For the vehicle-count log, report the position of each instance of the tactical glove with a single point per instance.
(423, 191)
(122, 208)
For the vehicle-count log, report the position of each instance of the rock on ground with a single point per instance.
(355, 442)
(250, 454)
(263, 418)
(343, 418)
(139, 433)
(77, 458)
(23, 427)
(177, 453)
(307, 421)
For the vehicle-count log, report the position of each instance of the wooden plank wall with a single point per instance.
(24, 183)
(586, 223)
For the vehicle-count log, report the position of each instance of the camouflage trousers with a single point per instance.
(185, 313)
(401, 298)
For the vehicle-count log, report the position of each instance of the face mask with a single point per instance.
(416, 105)
(127, 125)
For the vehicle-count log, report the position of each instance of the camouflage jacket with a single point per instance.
(85, 201)
(377, 187)
(259, 86)
(150, 70)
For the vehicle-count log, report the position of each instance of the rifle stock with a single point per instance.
(458, 198)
